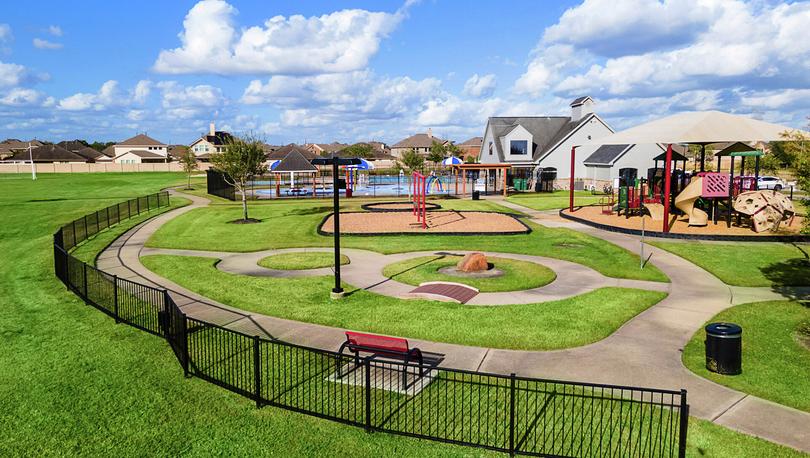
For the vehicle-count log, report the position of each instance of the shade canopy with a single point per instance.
(676, 156)
(452, 160)
(363, 165)
(701, 127)
(294, 162)
(738, 149)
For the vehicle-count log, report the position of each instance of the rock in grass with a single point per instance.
(473, 262)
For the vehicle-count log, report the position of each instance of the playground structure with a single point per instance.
(767, 209)
(419, 184)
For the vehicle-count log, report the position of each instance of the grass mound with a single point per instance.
(301, 261)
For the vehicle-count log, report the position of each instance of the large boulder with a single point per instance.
(767, 209)
(473, 262)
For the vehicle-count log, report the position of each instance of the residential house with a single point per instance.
(526, 142)
(48, 154)
(282, 152)
(214, 141)
(325, 149)
(471, 147)
(140, 149)
(421, 143)
(11, 145)
(80, 148)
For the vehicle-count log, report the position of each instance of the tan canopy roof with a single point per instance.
(702, 127)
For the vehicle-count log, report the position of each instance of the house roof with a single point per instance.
(606, 154)
(48, 153)
(418, 141)
(13, 144)
(283, 151)
(141, 140)
(90, 153)
(331, 147)
(219, 138)
(546, 131)
(143, 154)
(109, 151)
(475, 141)
(294, 161)
(580, 100)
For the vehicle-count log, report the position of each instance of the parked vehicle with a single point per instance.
(768, 182)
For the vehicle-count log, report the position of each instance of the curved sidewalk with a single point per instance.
(645, 351)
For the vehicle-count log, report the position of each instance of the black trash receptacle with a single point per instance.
(724, 348)
(476, 195)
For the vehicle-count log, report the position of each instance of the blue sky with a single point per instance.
(320, 71)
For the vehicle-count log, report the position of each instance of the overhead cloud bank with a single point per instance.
(342, 41)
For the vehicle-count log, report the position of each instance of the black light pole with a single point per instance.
(335, 161)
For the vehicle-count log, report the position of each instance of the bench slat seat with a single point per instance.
(384, 346)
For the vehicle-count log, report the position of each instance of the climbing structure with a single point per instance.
(767, 209)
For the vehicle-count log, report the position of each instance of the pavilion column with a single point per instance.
(730, 192)
(571, 180)
(503, 171)
(455, 172)
(464, 183)
(703, 158)
(667, 185)
(756, 174)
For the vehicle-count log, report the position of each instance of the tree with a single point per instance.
(413, 160)
(437, 152)
(242, 159)
(189, 163)
(453, 150)
(363, 150)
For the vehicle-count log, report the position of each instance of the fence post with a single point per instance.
(684, 411)
(512, 414)
(185, 346)
(257, 372)
(138, 205)
(86, 296)
(367, 392)
(115, 298)
(107, 212)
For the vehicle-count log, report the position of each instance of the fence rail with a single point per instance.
(512, 414)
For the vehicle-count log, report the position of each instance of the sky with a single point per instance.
(322, 71)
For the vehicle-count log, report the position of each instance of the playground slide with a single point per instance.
(685, 201)
(656, 211)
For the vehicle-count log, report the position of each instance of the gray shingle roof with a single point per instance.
(144, 154)
(475, 141)
(606, 154)
(141, 140)
(283, 151)
(295, 162)
(48, 153)
(580, 100)
(546, 131)
(418, 141)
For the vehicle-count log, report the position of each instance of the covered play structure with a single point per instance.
(292, 164)
(703, 197)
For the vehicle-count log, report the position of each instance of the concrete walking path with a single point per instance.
(645, 351)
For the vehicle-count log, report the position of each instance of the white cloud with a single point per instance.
(21, 97)
(39, 43)
(142, 90)
(136, 115)
(11, 74)
(107, 96)
(5, 33)
(55, 30)
(175, 95)
(342, 41)
(480, 86)
(777, 99)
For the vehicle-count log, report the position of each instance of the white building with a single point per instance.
(140, 148)
(530, 141)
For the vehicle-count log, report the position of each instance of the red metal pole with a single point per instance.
(571, 180)
(667, 185)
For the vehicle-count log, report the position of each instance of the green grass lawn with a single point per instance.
(553, 200)
(748, 264)
(293, 224)
(560, 324)
(74, 383)
(299, 261)
(775, 364)
(517, 275)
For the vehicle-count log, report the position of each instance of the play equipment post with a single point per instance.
(419, 194)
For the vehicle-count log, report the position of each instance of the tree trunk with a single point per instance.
(244, 204)
(188, 183)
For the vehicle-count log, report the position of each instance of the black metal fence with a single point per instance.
(517, 415)
(218, 186)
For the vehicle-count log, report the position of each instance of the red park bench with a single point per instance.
(385, 347)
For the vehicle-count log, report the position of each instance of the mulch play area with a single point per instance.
(680, 225)
(438, 222)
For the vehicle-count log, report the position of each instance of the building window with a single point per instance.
(519, 147)
(490, 148)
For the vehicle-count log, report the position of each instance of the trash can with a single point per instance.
(476, 195)
(724, 348)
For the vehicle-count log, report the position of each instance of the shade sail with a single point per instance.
(697, 127)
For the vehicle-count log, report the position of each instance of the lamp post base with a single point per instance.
(336, 294)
